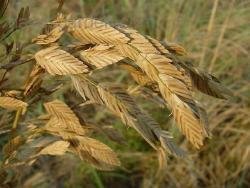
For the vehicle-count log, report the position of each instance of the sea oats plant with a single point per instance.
(157, 67)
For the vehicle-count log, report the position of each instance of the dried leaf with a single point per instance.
(57, 61)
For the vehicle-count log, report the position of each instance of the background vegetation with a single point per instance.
(216, 35)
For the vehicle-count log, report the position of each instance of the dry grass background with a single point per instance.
(217, 36)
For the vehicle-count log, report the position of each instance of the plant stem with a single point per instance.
(97, 179)
(208, 34)
(18, 113)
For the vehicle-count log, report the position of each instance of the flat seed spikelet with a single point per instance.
(175, 48)
(94, 152)
(64, 129)
(55, 148)
(158, 45)
(34, 81)
(138, 41)
(13, 104)
(140, 77)
(59, 62)
(96, 32)
(50, 37)
(101, 56)
(63, 119)
(208, 84)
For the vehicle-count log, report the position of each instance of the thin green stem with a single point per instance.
(97, 179)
